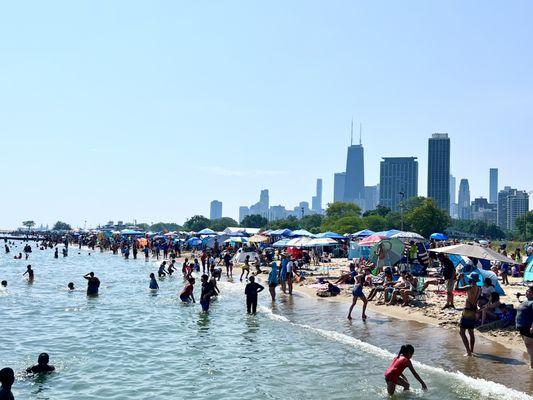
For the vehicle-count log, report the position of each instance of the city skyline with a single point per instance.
(87, 116)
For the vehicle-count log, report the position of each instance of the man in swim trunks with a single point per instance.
(468, 318)
(92, 285)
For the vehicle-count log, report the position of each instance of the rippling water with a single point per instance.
(130, 343)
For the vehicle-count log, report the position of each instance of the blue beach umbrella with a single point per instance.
(363, 233)
(194, 241)
(438, 236)
(331, 235)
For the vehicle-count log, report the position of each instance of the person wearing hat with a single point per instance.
(524, 322)
(468, 317)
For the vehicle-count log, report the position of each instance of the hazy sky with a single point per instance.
(149, 110)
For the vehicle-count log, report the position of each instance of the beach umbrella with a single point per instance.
(319, 242)
(206, 232)
(331, 235)
(301, 241)
(258, 239)
(371, 240)
(236, 239)
(130, 232)
(476, 251)
(281, 243)
(408, 236)
(281, 232)
(393, 251)
(438, 236)
(301, 232)
(364, 233)
(194, 241)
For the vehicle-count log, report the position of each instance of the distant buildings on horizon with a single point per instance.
(215, 210)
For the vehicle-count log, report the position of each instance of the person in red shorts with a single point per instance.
(394, 374)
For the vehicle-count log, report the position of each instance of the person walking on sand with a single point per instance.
(357, 293)
(394, 375)
(251, 290)
(468, 318)
(273, 280)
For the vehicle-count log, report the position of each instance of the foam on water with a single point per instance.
(484, 387)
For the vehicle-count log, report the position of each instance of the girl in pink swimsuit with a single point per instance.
(394, 374)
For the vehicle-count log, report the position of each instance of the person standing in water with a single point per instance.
(42, 365)
(468, 318)
(153, 282)
(207, 292)
(357, 293)
(7, 378)
(161, 272)
(56, 253)
(29, 271)
(93, 283)
(394, 375)
(187, 294)
(273, 280)
(524, 322)
(251, 291)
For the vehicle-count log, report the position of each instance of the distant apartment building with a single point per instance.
(215, 210)
(439, 170)
(316, 201)
(454, 213)
(512, 203)
(484, 211)
(398, 181)
(464, 200)
(493, 185)
(371, 197)
(339, 181)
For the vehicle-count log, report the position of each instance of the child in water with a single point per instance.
(153, 282)
(394, 374)
(42, 365)
(187, 292)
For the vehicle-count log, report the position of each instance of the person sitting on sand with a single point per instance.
(468, 318)
(394, 290)
(394, 375)
(42, 365)
(412, 284)
(7, 378)
(348, 278)
(153, 282)
(492, 311)
(486, 291)
(382, 284)
(187, 294)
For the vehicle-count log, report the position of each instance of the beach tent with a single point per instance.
(408, 236)
(482, 276)
(331, 235)
(528, 273)
(207, 232)
(281, 243)
(476, 251)
(371, 240)
(239, 231)
(356, 251)
(302, 232)
(321, 242)
(363, 234)
(393, 251)
(281, 232)
(438, 236)
(194, 241)
(388, 234)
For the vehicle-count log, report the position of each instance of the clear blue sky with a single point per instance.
(149, 110)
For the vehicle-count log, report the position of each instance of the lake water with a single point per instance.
(131, 344)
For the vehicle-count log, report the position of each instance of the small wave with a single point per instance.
(485, 387)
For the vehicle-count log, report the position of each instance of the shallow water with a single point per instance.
(131, 343)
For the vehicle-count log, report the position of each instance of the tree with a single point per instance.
(61, 226)
(254, 221)
(143, 226)
(218, 225)
(374, 222)
(379, 210)
(342, 218)
(165, 226)
(196, 223)
(291, 222)
(524, 226)
(311, 222)
(427, 218)
(29, 224)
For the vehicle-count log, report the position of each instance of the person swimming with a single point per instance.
(42, 365)
(93, 284)
(187, 294)
(153, 282)
(7, 378)
(394, 375)
(4, 283)
(29, 271)
(70, 286)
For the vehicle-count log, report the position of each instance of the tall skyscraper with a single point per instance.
(264, 201)
(464, 200)
(454, 213)
(354, 187)
(316, 203)
(338, 186)
(439, 170)
(371, 197)
(243, 212)
(216, 210)
(493, 186)
(512, 204)
(398, 181)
